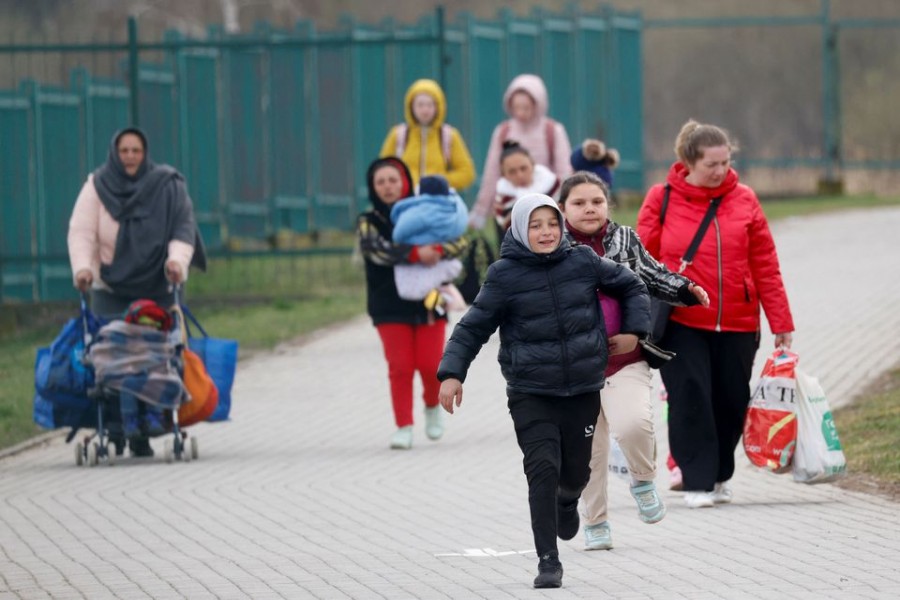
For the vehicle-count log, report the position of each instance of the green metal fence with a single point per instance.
(273, 130)
(807, 94)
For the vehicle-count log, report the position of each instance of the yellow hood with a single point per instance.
(430, 87)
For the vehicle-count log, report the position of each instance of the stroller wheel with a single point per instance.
(110, 454)
(79, 454)
(195, 449)
(92, 451)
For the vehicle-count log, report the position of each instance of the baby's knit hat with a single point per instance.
(434, 185)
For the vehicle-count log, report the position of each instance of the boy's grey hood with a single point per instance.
(521, 213)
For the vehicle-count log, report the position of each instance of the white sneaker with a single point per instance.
(434, 422)
(402, 438)
(699, 499)
(722, 493)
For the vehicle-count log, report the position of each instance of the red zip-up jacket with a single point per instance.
(736, 262)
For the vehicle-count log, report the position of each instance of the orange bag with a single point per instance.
(200, 386)
(204, 396)
(770, 428)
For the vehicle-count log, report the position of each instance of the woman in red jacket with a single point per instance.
(736, 262)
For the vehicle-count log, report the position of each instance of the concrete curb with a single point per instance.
(31, 443)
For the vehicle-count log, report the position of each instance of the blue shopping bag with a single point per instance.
(61, 377)
(51, 415)
(219, 356)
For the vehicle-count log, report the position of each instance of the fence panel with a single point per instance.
(60, 172)
(868, 96)
(105, 112)
(199, 112)
(591, 95)
(523, 46)
(415, 60)
(558, 57)
(288, 150)
(273, 130)
(17, 229)
(624, 87)
(246, 84)
(775, 114)
(486, 45)
(458, 92)
(371, 74)
(335, 204)
(159, 111)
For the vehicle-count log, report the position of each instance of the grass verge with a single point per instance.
(868, 430)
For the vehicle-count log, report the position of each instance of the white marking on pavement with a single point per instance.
(485, 552)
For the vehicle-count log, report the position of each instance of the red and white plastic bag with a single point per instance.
(770, 427)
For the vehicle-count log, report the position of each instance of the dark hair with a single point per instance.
(511, 147)
(394, 163)
(577, 178)
(695, 136)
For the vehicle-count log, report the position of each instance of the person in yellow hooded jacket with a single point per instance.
(425, 142)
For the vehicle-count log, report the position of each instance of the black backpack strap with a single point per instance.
(704, 225)
(665, 205)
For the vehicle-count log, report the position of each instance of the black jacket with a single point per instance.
(552, 338)
(374, 233)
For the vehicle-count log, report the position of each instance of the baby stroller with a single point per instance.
(138, 390)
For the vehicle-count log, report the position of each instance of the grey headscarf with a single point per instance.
(152, 208)
(521, 214)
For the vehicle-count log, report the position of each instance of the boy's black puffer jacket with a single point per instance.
(552, 338)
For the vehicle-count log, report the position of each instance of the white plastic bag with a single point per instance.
(618, 466)
(819, 457)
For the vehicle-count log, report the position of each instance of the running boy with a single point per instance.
(542, 294)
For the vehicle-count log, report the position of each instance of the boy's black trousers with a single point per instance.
(708, 383)
(555, 435)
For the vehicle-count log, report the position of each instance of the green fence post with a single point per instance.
(307, 30)
(133, 75)
(442, 46)
(831, 106)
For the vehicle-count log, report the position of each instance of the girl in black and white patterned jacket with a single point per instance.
(626, 409)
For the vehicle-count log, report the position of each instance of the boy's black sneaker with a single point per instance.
(567, 523)
(550, 572)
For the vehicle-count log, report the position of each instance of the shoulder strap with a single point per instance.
(446, 141)
(550, 135)
(704, 225)
(402, 131)
(504, 131)
(665, 205)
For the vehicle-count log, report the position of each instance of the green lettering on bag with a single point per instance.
(829, 432)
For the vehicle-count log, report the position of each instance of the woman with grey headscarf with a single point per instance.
(132, 234)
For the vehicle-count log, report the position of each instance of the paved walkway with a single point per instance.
(299, 497)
